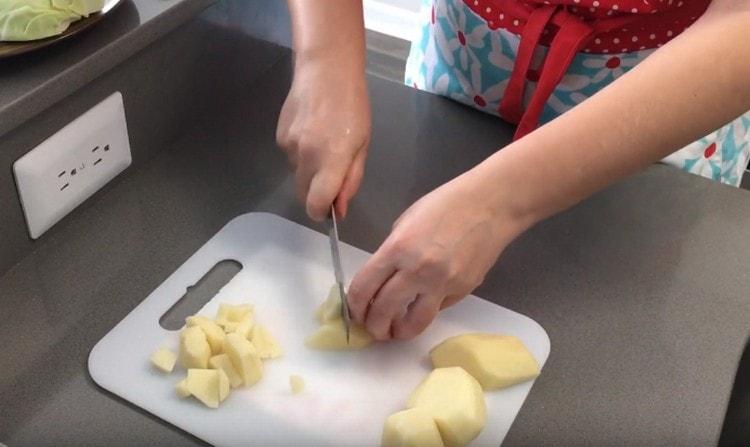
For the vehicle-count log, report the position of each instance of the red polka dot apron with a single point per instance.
(528, 61)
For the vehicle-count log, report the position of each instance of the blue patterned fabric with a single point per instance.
(457, 55)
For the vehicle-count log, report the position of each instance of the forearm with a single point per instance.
(690, 87)
(329, 31)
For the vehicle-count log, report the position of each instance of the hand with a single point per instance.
(439, 250)
(324, 128)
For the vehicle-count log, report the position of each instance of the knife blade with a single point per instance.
(333, 238)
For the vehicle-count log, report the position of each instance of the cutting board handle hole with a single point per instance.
(197, 295)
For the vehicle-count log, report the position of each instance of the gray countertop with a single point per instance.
(643, 289)
(32, 82)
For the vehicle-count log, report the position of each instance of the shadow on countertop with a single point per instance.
(736, 430)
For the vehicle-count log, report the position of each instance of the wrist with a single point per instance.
(330, 59)
(508, 193)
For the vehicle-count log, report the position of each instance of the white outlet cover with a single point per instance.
(71, 165)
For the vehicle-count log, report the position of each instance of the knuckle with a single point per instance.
(282, 140)
(398, 246)
(454, 274)
(306, 149)
(433, 265)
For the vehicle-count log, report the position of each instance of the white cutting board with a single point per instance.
(286, 273)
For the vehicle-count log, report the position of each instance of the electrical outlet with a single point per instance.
(71, 165)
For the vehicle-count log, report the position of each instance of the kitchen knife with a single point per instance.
(333, 238)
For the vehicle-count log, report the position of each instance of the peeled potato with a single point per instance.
(214, 333)
(232, 312)
(264, 342)
(223, 385)
(296, 383)
(182, 389)
(330, 309)
(332, 337)
(205, 385)
(455, 401)
(244, 358)
(414, 427)
(164, 359)
(496, 361)
(194, 348)
(223, 363)
(245, 326)
(228, 326)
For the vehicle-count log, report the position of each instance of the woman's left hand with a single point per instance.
(439, 250)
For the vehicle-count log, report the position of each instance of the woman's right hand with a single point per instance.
(324, 128)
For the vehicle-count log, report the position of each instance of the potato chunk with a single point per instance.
(232, 312)
(244, 327)
(182, 389)
(496, 361)
(223, 385)
(296, 383)
(205, 385)
(164, 359)
(214, 333)
(455, 401)
(194, 348)
(414, 427)
(223, 363)
(332, 337)
(244, 358)
(264, 342)
(330, 309)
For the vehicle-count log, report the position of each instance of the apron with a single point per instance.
(528, 61)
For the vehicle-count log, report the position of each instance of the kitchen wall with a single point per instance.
(166, 87)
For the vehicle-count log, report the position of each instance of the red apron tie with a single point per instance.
(570, 38)
(511, 104)
(572, 35)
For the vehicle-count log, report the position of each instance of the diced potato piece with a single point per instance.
(245, 326)
(332, 337)
(182, 389)
(454, 399)
(194, 348)
(330, 309)
(228, 326)
(164, 359)
(223, 363)
(232, 312)
(214, 333)
(205, 385)
(223, 385)
(244, 358)
(264, 342)
(496, 361)
(297, 383)
(414, 427)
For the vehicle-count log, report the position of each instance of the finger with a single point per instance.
(351, 184)
(451, 300)
(324, 187)
(366, 283)
(391, 302)
(302, 178)
(418, 316)
(292, 159)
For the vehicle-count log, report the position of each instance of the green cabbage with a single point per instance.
(80, 7)
(22, 20)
